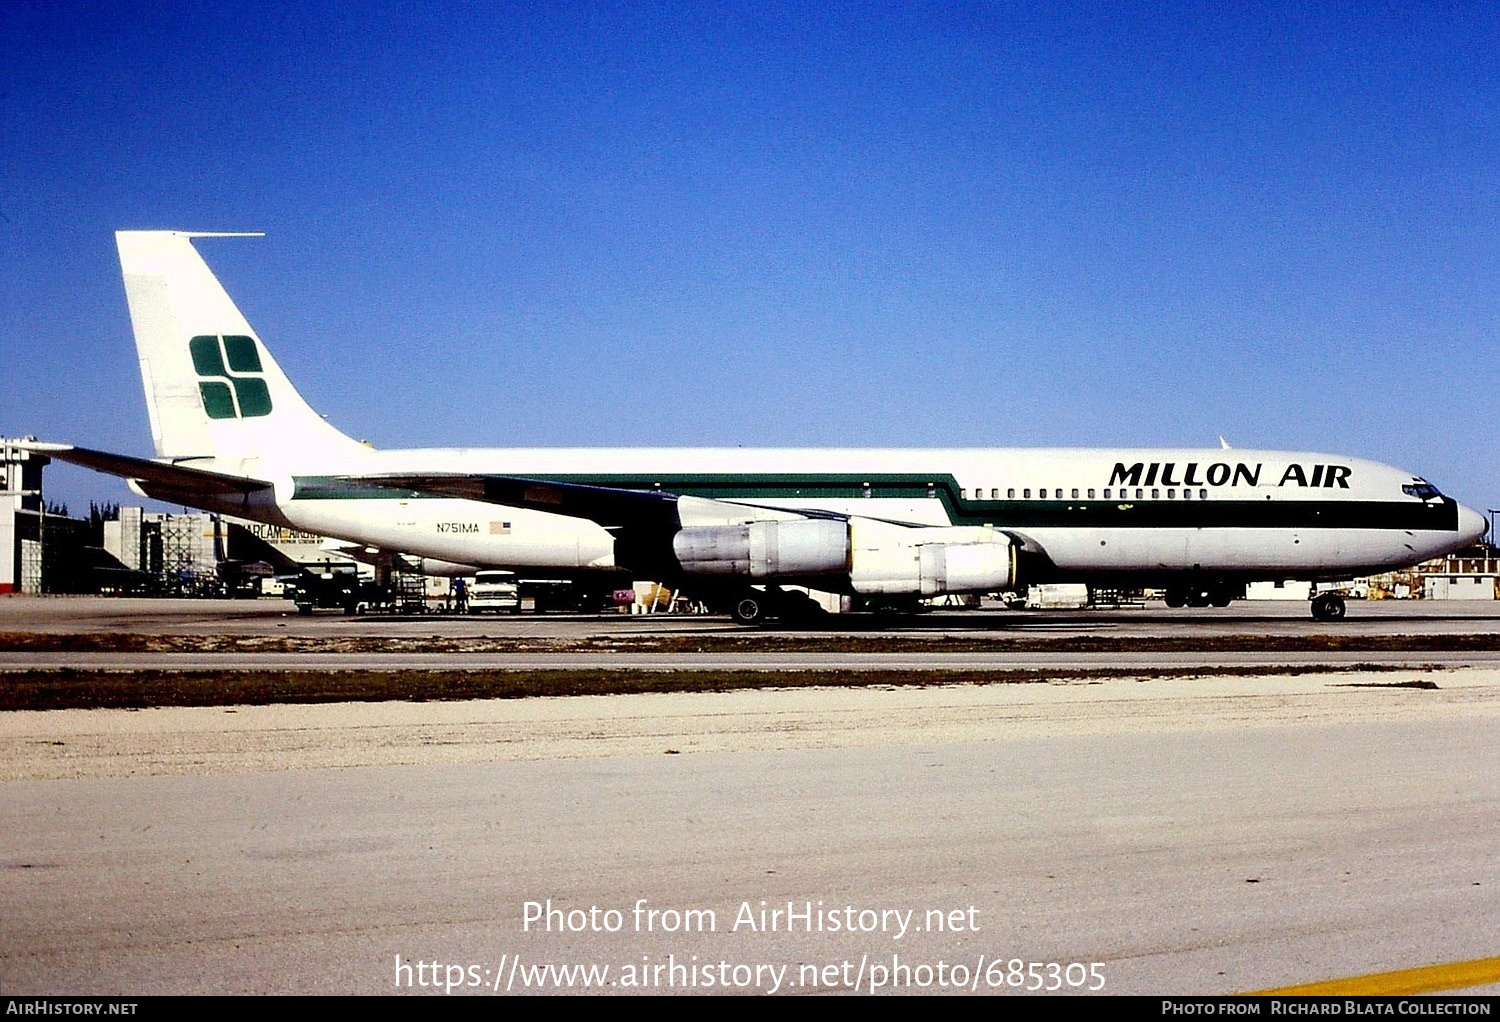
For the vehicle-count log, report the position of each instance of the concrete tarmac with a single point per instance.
(1187, 835)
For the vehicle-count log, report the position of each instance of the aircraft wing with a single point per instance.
(152, 475)
(655, 531)
(608, 506)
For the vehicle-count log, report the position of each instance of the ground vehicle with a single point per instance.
(494, 590)
(333, 585)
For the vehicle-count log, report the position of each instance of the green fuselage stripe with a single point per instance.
(1217, 512)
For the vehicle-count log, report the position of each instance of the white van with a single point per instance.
(494, 590)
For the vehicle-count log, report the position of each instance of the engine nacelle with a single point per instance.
(892, 560)
(878, 558)
(801, 548)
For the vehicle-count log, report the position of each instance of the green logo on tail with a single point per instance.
(229, 376)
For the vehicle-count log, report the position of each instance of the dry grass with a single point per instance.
(76, 689)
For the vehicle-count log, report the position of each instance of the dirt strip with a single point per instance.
(148, 688)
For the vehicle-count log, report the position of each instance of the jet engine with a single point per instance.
(877, 558)
(800, 548)
(895, 560)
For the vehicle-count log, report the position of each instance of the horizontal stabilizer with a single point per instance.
(152, 473)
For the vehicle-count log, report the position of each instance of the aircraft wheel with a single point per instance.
(749, 609)
(1176, 598)
(1329, 607)
(1220, 597)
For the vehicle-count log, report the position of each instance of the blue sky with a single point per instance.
(778, 224)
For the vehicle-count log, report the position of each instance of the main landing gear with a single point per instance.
(1198, 596)
(1328, 607)
(759, 606)
(750, 608)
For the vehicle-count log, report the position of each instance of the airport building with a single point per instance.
(20, 519)
(181, 552)
(1470, 574)
(41, 550)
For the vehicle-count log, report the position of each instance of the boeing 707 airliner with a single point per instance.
(736, 526)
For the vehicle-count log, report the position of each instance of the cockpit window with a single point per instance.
(1421, 489)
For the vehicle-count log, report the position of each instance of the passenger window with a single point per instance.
(1171, 494)
(1106, 494)
(1011, 493)
(1026, 494)
(1202, 494)
(1075, 494)
(1140, 494)
(1156, 495)
(1091, 495)
(1187, 494)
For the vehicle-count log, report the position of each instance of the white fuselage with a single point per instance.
(1093, 513)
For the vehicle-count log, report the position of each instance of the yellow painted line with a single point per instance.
(1428, 980)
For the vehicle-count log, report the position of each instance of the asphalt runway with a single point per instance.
(938, 641)
(742, 661)
(1190, 835)
(276, 617)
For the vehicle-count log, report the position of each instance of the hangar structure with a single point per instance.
(41, 549)
(21, 527)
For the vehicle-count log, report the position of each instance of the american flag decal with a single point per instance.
(499, 528)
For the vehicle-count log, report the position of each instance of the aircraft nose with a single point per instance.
(1471, 524)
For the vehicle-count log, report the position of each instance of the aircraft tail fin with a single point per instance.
(212, 388)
